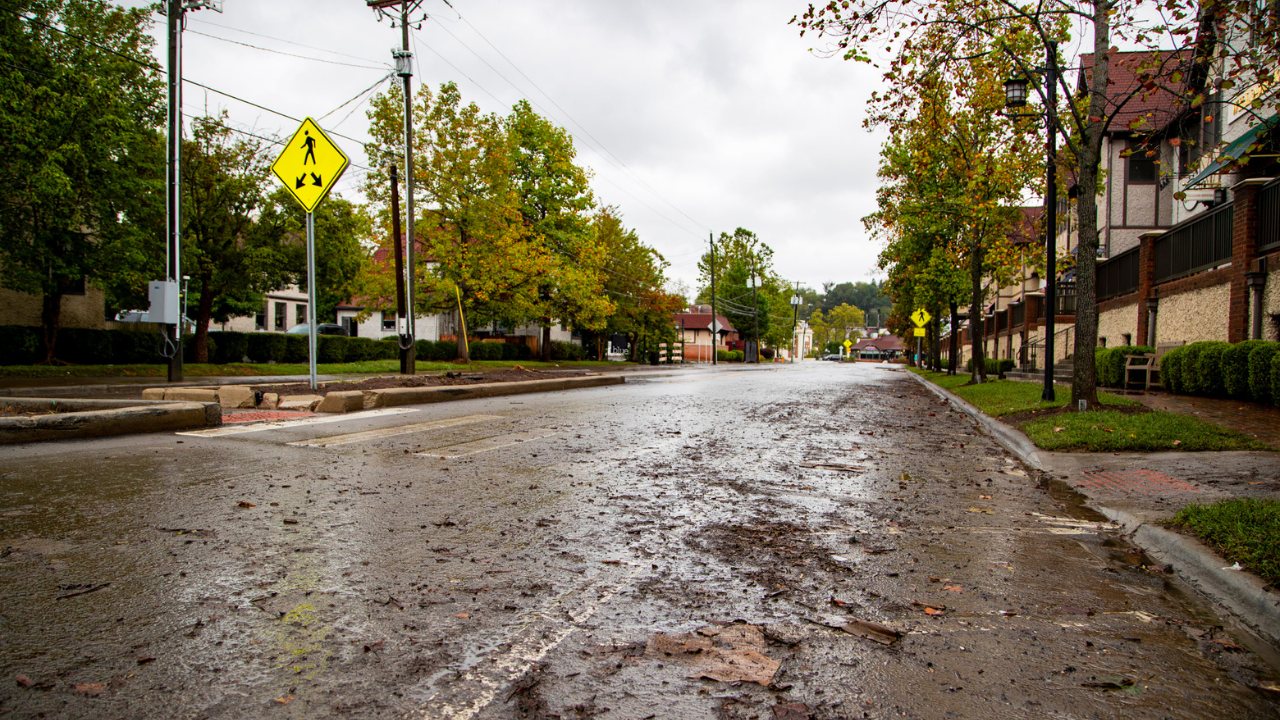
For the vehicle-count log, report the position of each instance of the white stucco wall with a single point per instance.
(1113, 324)
(1193, 316)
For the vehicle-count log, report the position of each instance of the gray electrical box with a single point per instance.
(164, 302)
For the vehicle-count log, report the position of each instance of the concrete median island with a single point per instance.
(39, 419)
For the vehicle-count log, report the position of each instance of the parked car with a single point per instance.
(321, 329)
(833, 356)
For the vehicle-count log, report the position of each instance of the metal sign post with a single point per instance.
(309, 166)
(312, 350)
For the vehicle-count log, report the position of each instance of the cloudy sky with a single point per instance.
(694, 117)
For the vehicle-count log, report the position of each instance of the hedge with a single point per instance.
(994, 366)
(567, 351)
(1262, 385)
(1248, 370)
(1110, 363)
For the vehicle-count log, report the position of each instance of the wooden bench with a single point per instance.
(1153, 376)
(1147, 365)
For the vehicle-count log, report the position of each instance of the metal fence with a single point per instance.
(1065, 298)
(1269, 217)
(1118, 275)
(1197, 244)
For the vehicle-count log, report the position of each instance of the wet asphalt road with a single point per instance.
(597, 553)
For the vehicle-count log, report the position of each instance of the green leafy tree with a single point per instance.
(747, 289)
(635, 281)
(231, 259)
(79, 166)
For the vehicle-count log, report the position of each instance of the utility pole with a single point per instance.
(406, 362)
(755, 312)
(406, 319)
(715, 332)
(175, 13)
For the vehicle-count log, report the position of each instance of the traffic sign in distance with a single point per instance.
(310, 165)
(921, 317)
(920, 331)
(848, 344)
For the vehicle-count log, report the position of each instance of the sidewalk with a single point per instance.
(1137, 490)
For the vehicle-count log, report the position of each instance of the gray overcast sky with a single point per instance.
(694, 117)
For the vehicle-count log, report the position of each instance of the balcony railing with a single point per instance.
(1198, 244)
(1118, 276)
(1065, 291)
(1269, 217)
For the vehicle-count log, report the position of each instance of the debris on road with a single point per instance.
(875, 632)
(730, 653)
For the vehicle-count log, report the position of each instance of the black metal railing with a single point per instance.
(1269, 217)
(1118, 275)
(1065, 298)
(1198, 244)
(1018, 314)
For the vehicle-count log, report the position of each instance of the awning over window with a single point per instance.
(1234, 150)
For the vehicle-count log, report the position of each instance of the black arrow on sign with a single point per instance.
(315, 180)
(302, 180)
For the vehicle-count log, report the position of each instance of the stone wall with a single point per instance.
(1114, 323)
(1270, 304)
(1192, 316)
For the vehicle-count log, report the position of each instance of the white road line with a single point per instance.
(477, 687)
(392, 431)
(490, 443)
(278, 425)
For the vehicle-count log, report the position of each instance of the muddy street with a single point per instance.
(812, 541)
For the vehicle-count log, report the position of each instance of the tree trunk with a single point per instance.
(935, 338)
(464, 354)
(1084, 385)
(204, 313)
(954, 350)
(546, 340)
(976, 329)
(50, 319)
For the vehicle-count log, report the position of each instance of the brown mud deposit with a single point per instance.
(753, 515)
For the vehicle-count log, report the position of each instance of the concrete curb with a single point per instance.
(391, 397)
(1243, 594)
(1012, 439)
(101, 418)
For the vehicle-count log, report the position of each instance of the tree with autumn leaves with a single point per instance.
(920, 41)
(509, 230)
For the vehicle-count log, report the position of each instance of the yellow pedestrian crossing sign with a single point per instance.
(848, 344)
(919, 332)
(921, 317)
(310, 165)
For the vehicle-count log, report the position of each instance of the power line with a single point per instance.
(292, 55)
(287, 42)
(358, 95)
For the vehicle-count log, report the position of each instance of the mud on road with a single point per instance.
(822, 542)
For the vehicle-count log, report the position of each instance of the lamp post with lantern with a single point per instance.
(1015, 96)
(795, 323)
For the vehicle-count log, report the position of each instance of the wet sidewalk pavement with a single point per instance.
(1253, 419)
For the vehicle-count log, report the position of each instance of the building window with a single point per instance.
(388, 321)
(1142, 167)
(282, 310)
(1128, 338)
(260, 321)
(300, 314)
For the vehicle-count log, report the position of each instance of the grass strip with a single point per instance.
(253, 369)
(1010, 397)
(1243, 530)
(1110, 431)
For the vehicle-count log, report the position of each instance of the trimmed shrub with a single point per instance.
(736, 356)
(296, 348)
(994, 366)
(1110, 362)
(515, 351)
(83, 346)
(361, 349)
(233, 347)
(567, 351)
(1275, 378)
(129, 347)
(1171, 374)
(189, 348)
(767, 353)
(486, 351)
(20, 345)
(1261, 387)
(722, 355)
(1203, 368)
(265, 347)
(331, 348)
(444, 350)
(1235, 368)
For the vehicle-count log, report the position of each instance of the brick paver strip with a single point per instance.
(1144, 482)
(263, 415)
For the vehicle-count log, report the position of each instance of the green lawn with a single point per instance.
(1244, 530)
(1098, 430)
(1009, 397)
(248, 369)
(1110, 431)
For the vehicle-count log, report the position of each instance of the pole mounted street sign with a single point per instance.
(921, 317)
(919, 332)
(310, 165)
